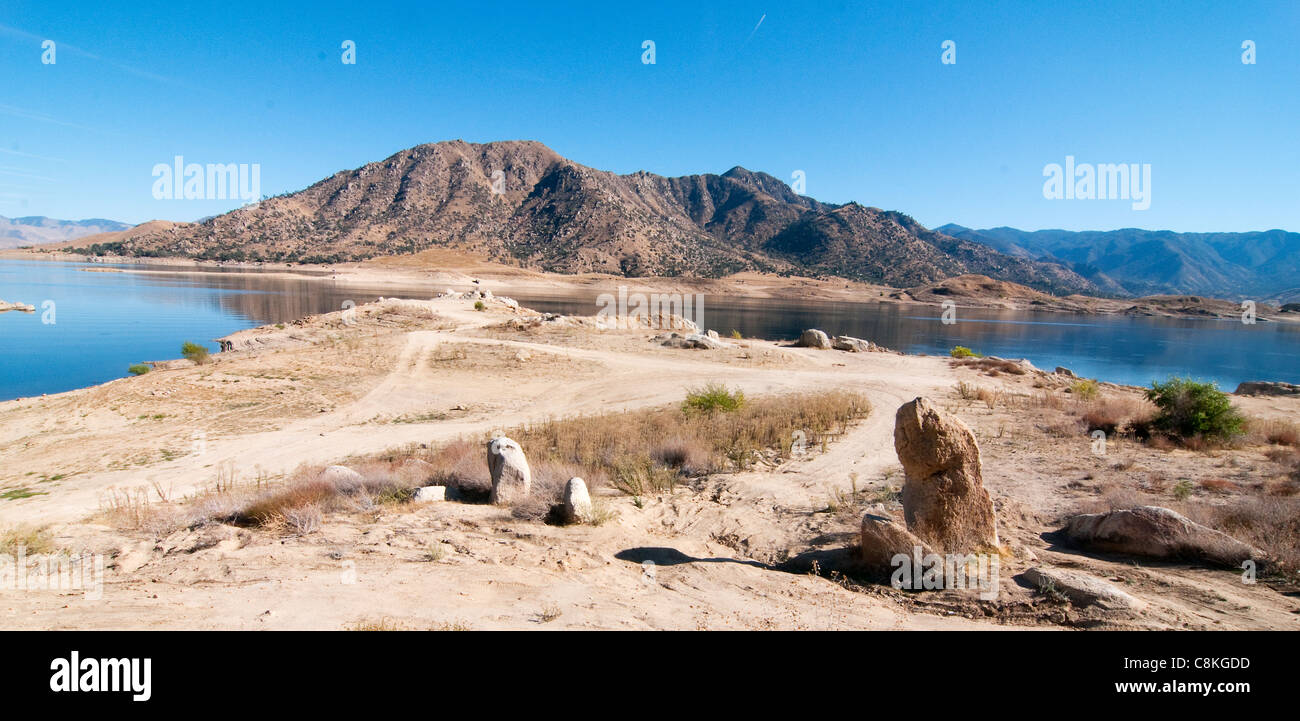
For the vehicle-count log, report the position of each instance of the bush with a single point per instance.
(1188, 409)
(194, 352)
(138, 369)
(962, 351)
(478, 305)
(1085, 389)
(713, 397)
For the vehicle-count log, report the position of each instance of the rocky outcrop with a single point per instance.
(813, 338)
(24, 307)
(1083, 589)
(577, 502)
(512, 479)
(692, 340)
(944, 499)
(1267, 388)
(1155, 532)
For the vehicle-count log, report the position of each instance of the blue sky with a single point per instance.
(853, 94)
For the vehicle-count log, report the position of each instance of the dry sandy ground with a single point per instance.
(748, 550)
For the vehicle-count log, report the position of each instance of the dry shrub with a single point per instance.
(1126, 415)
(1268, 522)
(991, 365)
(651, 450)
(32, 539)
(1219, 485)
(1278, 431)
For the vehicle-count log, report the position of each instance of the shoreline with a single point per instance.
(442, 268)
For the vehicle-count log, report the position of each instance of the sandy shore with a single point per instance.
(432, 371)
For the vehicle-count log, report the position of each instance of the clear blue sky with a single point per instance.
(854, 94)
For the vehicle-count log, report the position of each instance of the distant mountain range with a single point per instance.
(34, 230)
(520, 203)
(1262, 265)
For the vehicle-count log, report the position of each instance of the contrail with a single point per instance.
(751, 32)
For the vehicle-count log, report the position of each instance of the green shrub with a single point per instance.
(1085, 389)
(713, 397)
(138, 369)
(1188, 409)
(962, 351)
(194, 352)
(479, 305)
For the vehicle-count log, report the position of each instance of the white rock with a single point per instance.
(511, 476)
(577, 502)
(429, 494)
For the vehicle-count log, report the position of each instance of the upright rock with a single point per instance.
(944, 500)
(577, 502)
(813, 338)
(511, 477)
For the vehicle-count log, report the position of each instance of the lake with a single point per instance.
(105, 321)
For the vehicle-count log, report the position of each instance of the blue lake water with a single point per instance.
(105, 321)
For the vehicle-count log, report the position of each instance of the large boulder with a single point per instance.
(882, 539)
(813, 338)
(1155, 532)
(512, 479)
(944, 500)
(577, 502)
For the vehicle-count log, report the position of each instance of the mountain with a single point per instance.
(34, 230)
(556, 215)
(1262, 265)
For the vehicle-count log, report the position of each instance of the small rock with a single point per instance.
(882, 539)
(429, 494)
(577, 502)
(813, 338)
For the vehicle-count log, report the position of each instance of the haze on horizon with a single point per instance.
(857, 98)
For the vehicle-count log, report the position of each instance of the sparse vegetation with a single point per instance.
(713, 397)
(32, 539)
(138, 369)
(962, 351)
(194, 352)
(479, 305)
(1085, 389)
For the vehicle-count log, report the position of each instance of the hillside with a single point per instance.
(560, 216)
(1258, 265)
